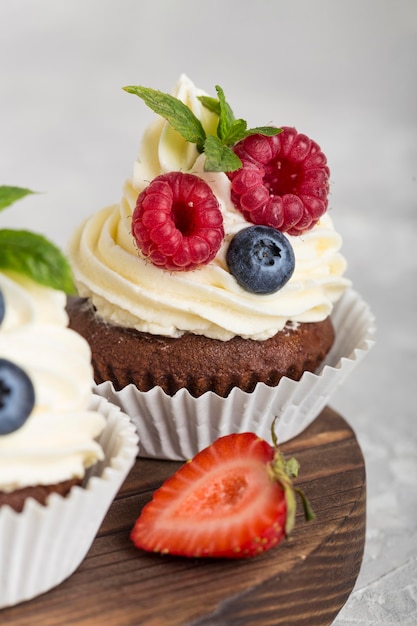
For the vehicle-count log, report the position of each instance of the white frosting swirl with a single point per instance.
(56, 443)
(129, 291)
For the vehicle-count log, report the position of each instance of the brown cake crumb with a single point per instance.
(16, 499)
(198, 363)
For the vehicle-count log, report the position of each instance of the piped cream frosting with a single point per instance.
(57, 441)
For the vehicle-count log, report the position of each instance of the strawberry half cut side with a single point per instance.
(234, 499)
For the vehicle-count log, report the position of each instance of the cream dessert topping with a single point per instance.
(57, 441)
(128, 290)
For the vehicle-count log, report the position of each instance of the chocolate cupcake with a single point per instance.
(212, 284)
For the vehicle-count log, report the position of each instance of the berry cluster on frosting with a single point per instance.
(34, 256)
(279, 182)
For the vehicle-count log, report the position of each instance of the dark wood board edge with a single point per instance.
(305, 581)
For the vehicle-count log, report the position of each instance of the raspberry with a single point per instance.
(283, 181)
(177, 222)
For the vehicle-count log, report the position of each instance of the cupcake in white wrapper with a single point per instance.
(175, 291)
(44, 544)
(178, 427)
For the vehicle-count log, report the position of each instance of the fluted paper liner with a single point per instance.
(178, 427)
(43, 545)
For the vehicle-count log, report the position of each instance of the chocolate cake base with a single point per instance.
(125, 355)
(16, 499)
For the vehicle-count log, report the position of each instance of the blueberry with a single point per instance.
(17, 397)
(2, 307)
(261, 259)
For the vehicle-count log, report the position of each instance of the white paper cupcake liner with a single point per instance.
(43, 545)
(178, 427)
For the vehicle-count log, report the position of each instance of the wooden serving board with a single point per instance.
(304, 581)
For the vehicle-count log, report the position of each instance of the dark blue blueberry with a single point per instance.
(2, 307)
(17, 397)
(261, 259)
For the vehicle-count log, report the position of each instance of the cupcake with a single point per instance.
(210, 288)
(63, 452)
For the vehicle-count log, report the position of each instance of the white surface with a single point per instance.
(343, 72)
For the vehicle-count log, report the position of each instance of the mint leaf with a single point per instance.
(235, 132)
(174, 111)
(226, 117)
(230, 130)
(219, 158)
(268, 131)
(8, 195)
(37, 258)
(212, 104)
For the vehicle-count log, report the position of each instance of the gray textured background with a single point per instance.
(343, 72)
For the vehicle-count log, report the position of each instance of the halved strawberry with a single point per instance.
(234, 499)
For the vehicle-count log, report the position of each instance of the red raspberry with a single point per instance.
(177, 222)
(283, 181)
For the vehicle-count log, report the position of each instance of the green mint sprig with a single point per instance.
(217, 148)
(8, 195)
(31, 254)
